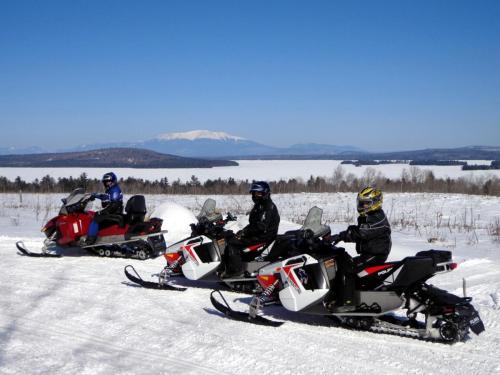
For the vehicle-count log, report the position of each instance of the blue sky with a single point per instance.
(380, 75)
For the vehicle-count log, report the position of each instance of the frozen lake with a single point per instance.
(248, 169)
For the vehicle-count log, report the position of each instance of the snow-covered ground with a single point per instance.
(250, 169)
(80, 315)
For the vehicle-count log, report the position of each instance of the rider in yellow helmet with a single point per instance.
(372, 236)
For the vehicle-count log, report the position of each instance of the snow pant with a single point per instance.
(345, 281)
(103, 221)
(233, 257)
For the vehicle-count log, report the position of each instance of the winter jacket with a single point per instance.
(263, 221)
(372, 234)
(111, 200)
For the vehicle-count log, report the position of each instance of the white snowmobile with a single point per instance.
(305, 283)
(199, 257)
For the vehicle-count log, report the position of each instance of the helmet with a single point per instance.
(260, 191)
(369, 199)
(109, 179)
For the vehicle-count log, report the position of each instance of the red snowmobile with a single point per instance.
(125, 235)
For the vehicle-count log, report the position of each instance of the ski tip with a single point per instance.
(23, 250)
(239, 315)
(137, 279)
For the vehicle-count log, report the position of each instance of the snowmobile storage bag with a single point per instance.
(438, 256)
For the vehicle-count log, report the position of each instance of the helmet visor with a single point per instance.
(364, 204)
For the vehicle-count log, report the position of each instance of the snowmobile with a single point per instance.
(199, 256)
(130, 236)
(306, 284)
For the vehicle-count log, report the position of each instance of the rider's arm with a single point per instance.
(375, 226)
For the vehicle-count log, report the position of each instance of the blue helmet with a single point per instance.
(260, 190)
(109, 177)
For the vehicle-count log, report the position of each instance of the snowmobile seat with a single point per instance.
(112, 219)
(414, 269)
(135, 209)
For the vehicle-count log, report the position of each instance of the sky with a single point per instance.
(379, 75)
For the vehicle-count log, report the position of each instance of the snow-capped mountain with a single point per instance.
(205, 143)
(199, 134)
(210, 144)
(218, 144)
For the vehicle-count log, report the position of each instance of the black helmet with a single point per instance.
(260, 191)
(109, 179)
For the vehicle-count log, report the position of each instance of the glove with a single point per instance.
(307, 234)
(93, 196)
(343, 235)
(335, 238)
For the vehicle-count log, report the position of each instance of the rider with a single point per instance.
(112, 207)
(263, 226)
(372, 236)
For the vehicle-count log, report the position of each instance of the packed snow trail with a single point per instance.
(79, 314)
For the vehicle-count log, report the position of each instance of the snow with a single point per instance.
(248, 170)
(199, 134)
(79, 314)
(176, 220)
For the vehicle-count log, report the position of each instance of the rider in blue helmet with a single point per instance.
(262, 227)
(112, 207)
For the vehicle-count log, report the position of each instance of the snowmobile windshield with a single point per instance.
(313, 222)
(73, 201)
(208, 211)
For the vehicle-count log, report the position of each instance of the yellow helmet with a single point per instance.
(369, 199)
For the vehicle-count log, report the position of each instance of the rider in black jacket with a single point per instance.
(372, 236)
(263, 226)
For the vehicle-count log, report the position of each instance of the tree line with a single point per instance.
(413, 179)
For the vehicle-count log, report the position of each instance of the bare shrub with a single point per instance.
(494, 229)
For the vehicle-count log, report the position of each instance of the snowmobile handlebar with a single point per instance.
(230, 217)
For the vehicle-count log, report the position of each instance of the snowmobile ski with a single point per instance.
(24, 251)
(239, 315)
(149, 284)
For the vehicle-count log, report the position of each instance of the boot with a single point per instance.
(90, 240)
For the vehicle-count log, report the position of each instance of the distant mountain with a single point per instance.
(19, 151)
(205, 144)
(320, 149)
(459, 153)
(208, 144)
(199, 134)
(110, 158)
